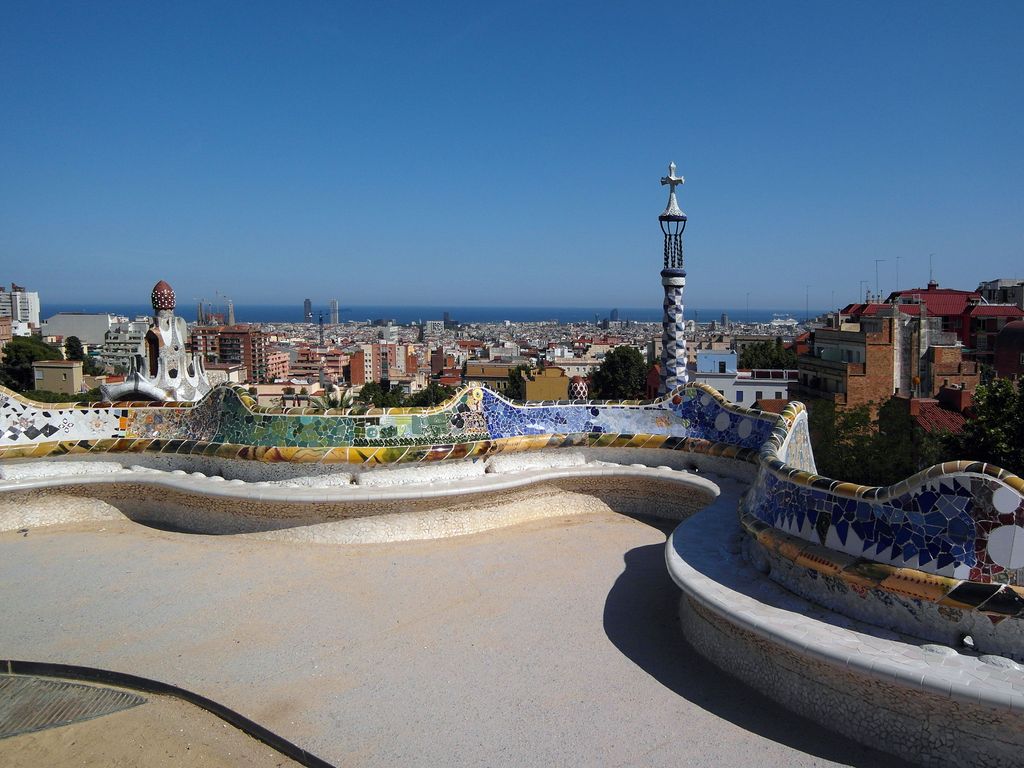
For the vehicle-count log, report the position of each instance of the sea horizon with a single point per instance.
(289, 313)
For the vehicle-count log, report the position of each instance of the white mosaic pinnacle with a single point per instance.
(672, 209)
(673, 336)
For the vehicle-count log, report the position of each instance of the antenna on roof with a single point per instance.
(930, 257)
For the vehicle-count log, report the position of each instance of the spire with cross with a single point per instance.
(672, 210)
(673, 280)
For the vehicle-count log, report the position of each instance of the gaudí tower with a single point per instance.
(673, 280)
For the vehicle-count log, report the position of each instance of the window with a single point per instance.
(778, 395)
(759, 395)
(739, 396)
(721, 366)
(64, 376)
(39, 375)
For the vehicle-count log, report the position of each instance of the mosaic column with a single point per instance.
(673, 280)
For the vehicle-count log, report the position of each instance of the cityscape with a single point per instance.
(512, 386)
(914, 343)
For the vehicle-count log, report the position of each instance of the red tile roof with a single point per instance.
(995, 310)
(934, 418)
(940, 301)
(870, 310)
(771, 405)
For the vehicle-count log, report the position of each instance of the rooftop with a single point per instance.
(932, 417)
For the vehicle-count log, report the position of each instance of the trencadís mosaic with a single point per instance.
(958, 520)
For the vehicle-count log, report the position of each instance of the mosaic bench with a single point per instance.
(954, 524)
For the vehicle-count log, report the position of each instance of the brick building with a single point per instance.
(242, 344)
(374, 363)
(312, 360)
(278, 365)
(881, 356)
(850, 367)
(967, 314)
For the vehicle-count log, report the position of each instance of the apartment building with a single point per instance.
(243, 344)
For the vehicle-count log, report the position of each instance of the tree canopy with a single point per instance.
(380, 396)
(767, 355)
(849, 446)
(434, 394)
(19, 354)
(516, 387)
(995, 431)
(622, 375)
(94, 395)
(73, 348)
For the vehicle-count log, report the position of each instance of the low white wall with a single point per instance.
(194, 502)
(927, 703)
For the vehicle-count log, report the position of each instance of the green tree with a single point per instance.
(332, 398)
(995, 431)
(73, 349)
(19, 354)
(901, 447)
(841, 441)
(767, 355)
(381, 396)
(622, 375)
(434, 394)
(44, 396)
(849, 446)
(516, 387)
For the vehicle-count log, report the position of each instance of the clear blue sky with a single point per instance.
(507, 154)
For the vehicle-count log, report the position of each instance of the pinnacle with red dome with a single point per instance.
(162, 296)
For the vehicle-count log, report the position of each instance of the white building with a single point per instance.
(1006, 290)
(718, 369)
(20, 305)
(122, 342)
(90, 327)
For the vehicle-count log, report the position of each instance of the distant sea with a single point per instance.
(288, 313)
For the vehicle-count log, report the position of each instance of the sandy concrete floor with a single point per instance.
(161, 733)
(549, 643)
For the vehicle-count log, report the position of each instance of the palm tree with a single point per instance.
(330, 400)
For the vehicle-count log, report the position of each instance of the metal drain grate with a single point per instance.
(31, 704)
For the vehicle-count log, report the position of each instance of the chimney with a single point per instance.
(955, 398)
(914, 406)
(933, 284)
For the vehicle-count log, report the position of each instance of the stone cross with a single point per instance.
(672, 211)
(672, 179)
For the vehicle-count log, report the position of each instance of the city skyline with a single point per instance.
(413, 156)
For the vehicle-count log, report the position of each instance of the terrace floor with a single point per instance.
(554, 642)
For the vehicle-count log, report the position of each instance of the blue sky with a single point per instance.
(507, 154)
